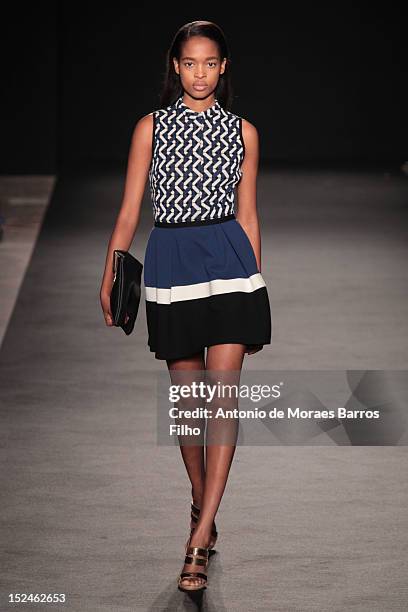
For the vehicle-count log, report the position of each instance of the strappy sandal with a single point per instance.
(195, 555)
(195, 514)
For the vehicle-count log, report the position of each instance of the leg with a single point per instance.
(220, 358)
(193, 456)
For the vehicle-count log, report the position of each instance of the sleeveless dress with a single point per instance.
(202, 283)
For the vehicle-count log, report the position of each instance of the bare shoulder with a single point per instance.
(144, 128)
(249, 132)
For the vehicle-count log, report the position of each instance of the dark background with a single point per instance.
(321, 84)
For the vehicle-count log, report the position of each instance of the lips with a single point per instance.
(199, 85)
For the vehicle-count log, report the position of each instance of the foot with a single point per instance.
(202, 542)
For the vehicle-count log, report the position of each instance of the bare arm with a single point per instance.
(140, 155)
(247, 214)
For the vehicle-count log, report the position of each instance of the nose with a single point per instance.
(199, 73)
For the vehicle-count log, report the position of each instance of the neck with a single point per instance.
(198, 105)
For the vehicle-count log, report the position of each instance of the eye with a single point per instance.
(212, 64)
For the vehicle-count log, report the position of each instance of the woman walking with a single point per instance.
(202, 266)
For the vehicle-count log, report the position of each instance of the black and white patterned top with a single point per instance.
(196, 162)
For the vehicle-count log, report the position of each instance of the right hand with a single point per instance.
(106, 308)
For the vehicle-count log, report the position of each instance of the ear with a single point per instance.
(176, 65)
(223, 65)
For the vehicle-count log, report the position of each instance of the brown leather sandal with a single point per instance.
(195, 514)
(195, 555)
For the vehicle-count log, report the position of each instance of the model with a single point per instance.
(202, 266)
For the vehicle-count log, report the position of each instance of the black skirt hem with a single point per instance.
(190, 352)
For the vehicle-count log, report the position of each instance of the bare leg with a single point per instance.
(220, 357)
(193, 456)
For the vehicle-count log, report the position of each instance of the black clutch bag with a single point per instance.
(126, 289)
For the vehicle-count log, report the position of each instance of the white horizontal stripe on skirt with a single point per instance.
(202, 290)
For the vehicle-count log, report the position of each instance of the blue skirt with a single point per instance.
(203, 287)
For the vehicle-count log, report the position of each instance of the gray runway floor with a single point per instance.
(92, 507)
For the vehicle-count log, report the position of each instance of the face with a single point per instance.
(200, 66)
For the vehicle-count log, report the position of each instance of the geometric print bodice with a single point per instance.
(196, 162)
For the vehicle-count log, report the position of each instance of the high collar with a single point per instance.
(211, 111)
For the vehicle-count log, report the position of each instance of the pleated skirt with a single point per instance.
(203, 287)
